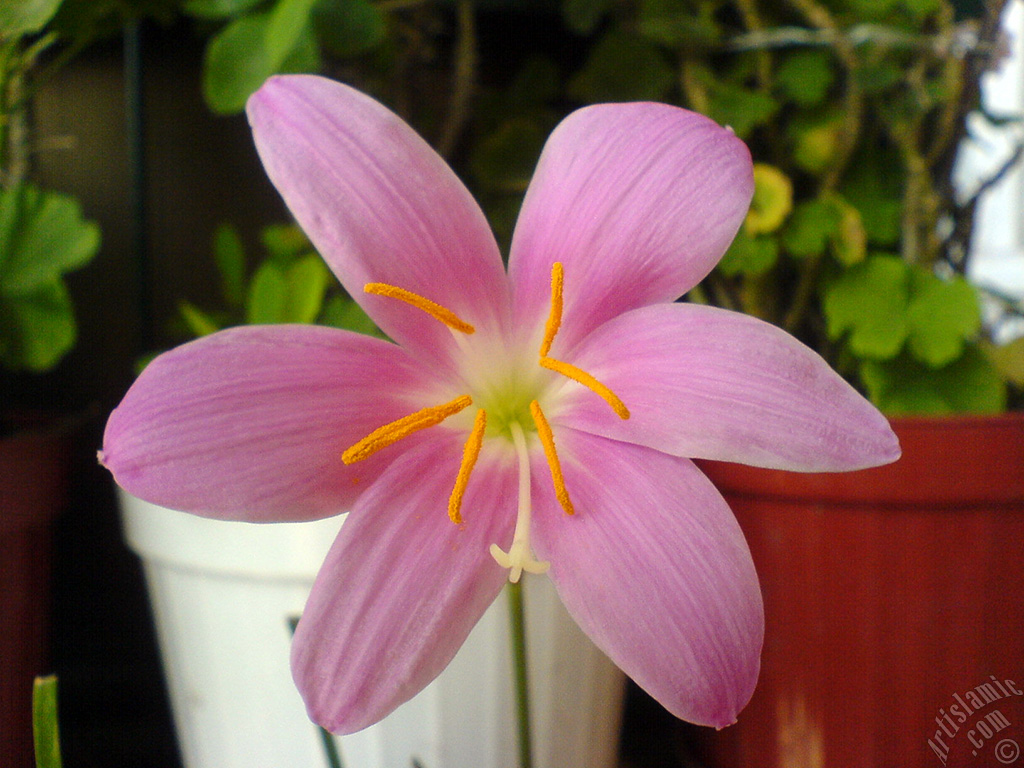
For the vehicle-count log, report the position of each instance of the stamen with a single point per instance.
(551, 327)
(432, 308)
(555, 315)
(547, 439)
(469, 457)
(588, 381)
(520, 557)
(403, 427)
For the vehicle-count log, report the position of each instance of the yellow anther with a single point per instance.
(403, 427)
(432, 308)
(547, 439)
(555, 315)
(588, 381)
(469, 456)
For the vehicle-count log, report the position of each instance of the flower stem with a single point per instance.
(517, 626)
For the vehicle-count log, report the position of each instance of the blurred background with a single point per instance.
(136, 216)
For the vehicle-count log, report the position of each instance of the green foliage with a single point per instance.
(851, 109)
(734, 104)
(749, 255)
(970, 384)
(347, 28)
(916, 337)
(805, 76)
(868, 305)
(943, 316)
(291, 284)
(583, 16)
(286, 36)
(45, 730)
(504, 160)
(43, 235)
(25, 17)
(622, 67)
(252, 48)
(218, 9)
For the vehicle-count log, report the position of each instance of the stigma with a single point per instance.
(520, 427)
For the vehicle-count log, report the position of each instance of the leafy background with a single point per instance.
(853, 110)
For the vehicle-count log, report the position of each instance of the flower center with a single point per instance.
(507, 408)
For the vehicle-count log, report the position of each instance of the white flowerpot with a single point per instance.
(223, 595)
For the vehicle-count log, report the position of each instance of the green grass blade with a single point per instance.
(44, 722)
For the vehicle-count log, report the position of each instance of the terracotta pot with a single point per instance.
(33, 486)
(894, 603)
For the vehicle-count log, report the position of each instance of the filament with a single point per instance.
(584, 378)
(547, 439)
(432, 308)
(403, 427)
(470, 453)
(554, 321)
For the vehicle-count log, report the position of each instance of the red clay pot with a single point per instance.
(891, 596)
(33, 486)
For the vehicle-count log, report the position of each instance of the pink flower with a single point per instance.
(543, 417)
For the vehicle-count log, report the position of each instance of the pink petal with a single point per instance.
(712, 384)
(250, 423)
(380, 205)
(638, 201)
(655, 569)
(402, 586)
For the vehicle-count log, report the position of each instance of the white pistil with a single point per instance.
(520, 557)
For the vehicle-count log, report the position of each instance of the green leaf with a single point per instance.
(505, 159)
(307, 281)
(877, 77)
(873, 9)
(622, 67)
(922, 9)
(229, 254)
(241, 57)
(25, 17)
(342, 312)
(42, 235)
(970, 384)
(815, 140)
(583, 16)
(347, 28)
(37, 328)
(305, 56)
(218, 9)
(236, 64)
(873, 186)
(805, 77)
(735, 105)
(199, 323)
(943, 315)
(268, 295)
(284, 241)
(810, 228)
(772, 201)
(674, 24)
(868, 304)
(45, 730)
(749, 255)
(1008, 359)
(288, 20)
(849, 244)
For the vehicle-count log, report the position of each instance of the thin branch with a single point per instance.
(463, 80)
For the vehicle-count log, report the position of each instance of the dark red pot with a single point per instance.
(889, 594)
(33, 486)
